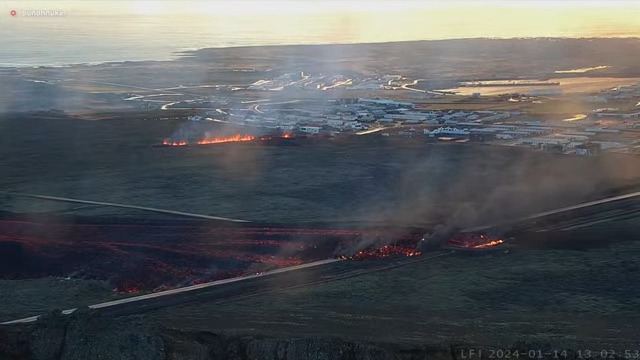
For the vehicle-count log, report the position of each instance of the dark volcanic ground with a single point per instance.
(136, 256)
(365, 180)
(344, 185)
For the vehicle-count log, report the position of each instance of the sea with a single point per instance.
(87, 37)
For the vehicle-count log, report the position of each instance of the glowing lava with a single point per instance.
(385, 251)
(220, 140)
(174, 143)
(227, 139)
(489, 244)
(139, 258)
(405, 246)
(472, 241)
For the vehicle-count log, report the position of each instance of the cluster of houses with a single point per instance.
(352, 115)
(358, 114)
(617, 93)
(583, 142)
(383, 111)
(278, 83)
(614, 113)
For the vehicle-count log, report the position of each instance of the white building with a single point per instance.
(310, 129)
(505, 127)
(195, 118)
(386, 102)
(406, 117)
(353, 125)
(539, 129)
(543, 141)
(335, 123)
(447, 130)
(287, 126)
(516, 133)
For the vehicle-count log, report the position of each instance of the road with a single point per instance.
(596, 206)
(623, 211)
(415, 82)
(157, 92)
(247, 286)
(102, 203)
(370, 131)
(256, 108)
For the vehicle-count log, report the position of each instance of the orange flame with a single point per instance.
(473, 241)
(220, 140)
(488, 244)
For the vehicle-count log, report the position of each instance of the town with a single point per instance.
(600, 129)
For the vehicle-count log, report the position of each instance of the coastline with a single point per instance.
(191, 53)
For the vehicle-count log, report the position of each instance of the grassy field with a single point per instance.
(368, 179)
(23, 298)
(555, 298)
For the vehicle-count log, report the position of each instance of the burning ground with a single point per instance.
(237, 138)
(192, 133)
(554, 298)
(137, 257)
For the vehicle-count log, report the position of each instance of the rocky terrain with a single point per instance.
(84, 336)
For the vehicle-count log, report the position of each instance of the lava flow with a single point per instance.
(174, 143)
(221, 140)
(142, 257)
(227, 139)
(385, 251)
(472, 241)
(405, 246)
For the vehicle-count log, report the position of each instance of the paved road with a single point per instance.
(575, 211)
(248, 286)
(102, 203)
(621, 210)
(256, 108)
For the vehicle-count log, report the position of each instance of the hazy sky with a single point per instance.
(368, 20)
(154, 29)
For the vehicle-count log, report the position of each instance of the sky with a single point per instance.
(371, 19)
(159, 28)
